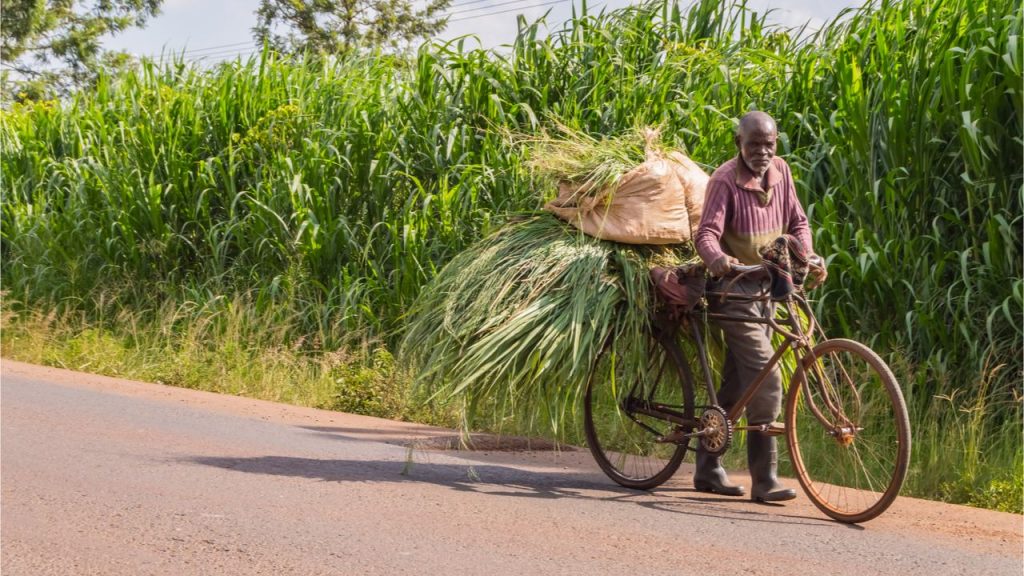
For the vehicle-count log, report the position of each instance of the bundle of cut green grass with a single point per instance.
(588, 163)
(515, 323)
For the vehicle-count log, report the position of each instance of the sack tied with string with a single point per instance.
(658, 202)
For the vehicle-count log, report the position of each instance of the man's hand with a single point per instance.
(722, 265)
(817, 274)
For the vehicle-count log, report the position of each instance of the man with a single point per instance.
(750, 201)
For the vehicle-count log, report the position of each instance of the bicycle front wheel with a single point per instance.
(622, 434)
(848, 430)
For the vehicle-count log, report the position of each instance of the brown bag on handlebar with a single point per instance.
(786, 259)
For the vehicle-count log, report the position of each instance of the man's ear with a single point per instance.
(736, 139)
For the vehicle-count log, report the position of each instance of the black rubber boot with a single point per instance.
(763, 459)
(711, 477)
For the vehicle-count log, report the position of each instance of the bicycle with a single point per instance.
(842, 405)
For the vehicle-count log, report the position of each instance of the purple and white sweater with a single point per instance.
(740, 217)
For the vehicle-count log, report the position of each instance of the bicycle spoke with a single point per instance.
(852, 464)
(624, 441)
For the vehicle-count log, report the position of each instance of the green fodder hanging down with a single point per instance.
(516, 322)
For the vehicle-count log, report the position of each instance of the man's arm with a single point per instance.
(708, 239)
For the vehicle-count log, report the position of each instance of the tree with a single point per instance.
(55, 45)
(331, 27)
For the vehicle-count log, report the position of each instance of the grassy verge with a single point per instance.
(966, 447)
(229, 350)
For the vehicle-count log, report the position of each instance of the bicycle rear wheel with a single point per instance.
(848, 430)
(623, 440)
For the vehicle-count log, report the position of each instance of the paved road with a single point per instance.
(105, 476)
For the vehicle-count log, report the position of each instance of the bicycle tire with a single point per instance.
(625, 451)
(858, 447)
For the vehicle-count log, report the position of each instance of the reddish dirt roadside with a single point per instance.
(108, 476)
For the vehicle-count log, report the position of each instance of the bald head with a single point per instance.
(756, 120)
(755, 140)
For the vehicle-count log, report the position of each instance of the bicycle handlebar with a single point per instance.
(746, 269)
(815, 262)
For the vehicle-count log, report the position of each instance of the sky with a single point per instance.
(212, 30)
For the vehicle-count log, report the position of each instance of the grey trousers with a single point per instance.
(748, 350)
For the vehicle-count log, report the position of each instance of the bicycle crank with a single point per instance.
(716, 430)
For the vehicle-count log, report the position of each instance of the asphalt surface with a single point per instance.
(106, 476)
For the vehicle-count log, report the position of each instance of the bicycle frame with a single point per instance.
(796, 337)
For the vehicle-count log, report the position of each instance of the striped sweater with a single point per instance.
(740, 217)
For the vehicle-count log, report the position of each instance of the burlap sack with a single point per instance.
(658, 202)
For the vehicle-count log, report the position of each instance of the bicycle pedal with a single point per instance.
(773, 429)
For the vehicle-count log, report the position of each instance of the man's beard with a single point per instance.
(758, 171)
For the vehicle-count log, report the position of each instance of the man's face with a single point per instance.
(757, 146)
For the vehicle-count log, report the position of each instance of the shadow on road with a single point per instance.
(435, 439)
(509, 482)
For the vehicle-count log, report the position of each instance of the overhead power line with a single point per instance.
(217, 48)
(499, 5)
(461, 4)
(197, 52)
(226, 55)
(227, 51)
(507, 11)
